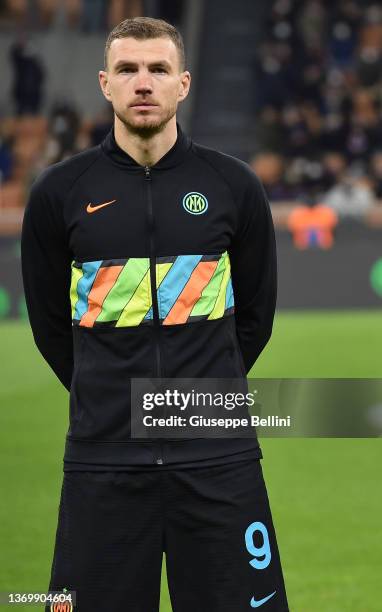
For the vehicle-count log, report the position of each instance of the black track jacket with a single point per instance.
(133, 271)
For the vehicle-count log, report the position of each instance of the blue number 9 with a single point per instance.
(262, 551)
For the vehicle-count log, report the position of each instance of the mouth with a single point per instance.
(144, 106)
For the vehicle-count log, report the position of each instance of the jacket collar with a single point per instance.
(173, 157)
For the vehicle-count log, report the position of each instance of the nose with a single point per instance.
(143, 83)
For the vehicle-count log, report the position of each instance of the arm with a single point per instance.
(254, 272)
(46, 270)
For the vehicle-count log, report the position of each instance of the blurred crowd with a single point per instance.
(38, 134)
(83, 15)
(29, 143)
(318, 101)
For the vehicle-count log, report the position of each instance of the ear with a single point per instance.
(185, 83)
(104, 83)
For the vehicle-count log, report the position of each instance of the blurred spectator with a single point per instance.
(269, 130)
(269, 167)
(28, 78)
(357, 142)
(123, 9)
(305, 176)
(93, 15)
(369, 66)
(6, 159)
(101, 126)
(277, 75)
(64, 127)
(335, 129)
(17, 10)
(171, 11)
(334, 166)
(376, 173)
(28, 135)
(48, 11)
(312, 226)
(343, 32)
(63, 136)
(312, 23)
(371, 31)
(351, 198)
(297, 137)
(312, 70)
(365, 125)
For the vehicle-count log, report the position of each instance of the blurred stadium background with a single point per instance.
(295, 89)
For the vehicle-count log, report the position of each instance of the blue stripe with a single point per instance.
(174, 281)
(229, 302)
(149, 314)
(89, 269)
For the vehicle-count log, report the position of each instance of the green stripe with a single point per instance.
(218, 310)
(77, 273)
(207, 300)
(124, 288)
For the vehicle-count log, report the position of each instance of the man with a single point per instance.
(152, 256)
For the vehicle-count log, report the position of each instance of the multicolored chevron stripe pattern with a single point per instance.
(117, 292)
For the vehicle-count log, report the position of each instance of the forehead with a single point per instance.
(143, 51)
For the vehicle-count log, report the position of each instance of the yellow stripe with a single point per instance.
(77, 273)
(135, 311)
(161, 271)
(218, 309)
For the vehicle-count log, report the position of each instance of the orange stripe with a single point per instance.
(192, 291)
(103, 282)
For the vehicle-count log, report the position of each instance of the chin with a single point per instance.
(146, 121)
(145, 125)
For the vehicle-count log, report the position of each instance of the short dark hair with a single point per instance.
(143, 28)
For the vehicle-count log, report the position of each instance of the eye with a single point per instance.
(159, 69)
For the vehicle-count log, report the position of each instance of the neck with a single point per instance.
(145, 151)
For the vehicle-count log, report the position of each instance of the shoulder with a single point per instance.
(59, 177)
(237, 173)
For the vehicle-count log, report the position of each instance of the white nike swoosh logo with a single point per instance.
(257, 603)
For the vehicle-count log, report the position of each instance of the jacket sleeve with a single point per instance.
(46, 271)
(254, 272)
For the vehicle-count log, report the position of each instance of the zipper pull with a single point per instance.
(147, 172)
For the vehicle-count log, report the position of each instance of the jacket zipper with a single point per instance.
(159, 457)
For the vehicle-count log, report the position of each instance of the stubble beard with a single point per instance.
(151, 127)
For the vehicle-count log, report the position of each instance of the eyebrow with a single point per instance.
(134, 64)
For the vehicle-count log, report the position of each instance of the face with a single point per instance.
(144, 83)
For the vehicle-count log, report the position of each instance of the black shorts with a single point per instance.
(213, 524)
